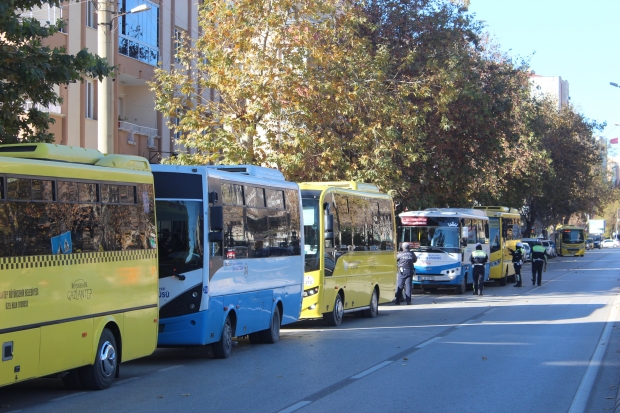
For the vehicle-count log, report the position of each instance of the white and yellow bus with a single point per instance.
(78, 263)
(350, 254)
(504, 233)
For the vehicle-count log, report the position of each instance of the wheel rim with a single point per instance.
(338, 309)
(373, 302)
(276, 326)
(107, 357)
(227, 336)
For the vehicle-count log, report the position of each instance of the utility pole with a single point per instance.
(105, 101)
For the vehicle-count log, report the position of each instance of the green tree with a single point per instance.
(29, 70)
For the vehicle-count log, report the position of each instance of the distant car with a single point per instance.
(527, 252)
(597, 243)
(589, 243)
(550, 250)
(609, 243)
(555, 251)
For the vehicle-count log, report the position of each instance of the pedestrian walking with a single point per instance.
(539, 263)
(405, 260)
(478, 258)
(517, 262)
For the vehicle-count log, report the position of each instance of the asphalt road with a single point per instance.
(554, 348)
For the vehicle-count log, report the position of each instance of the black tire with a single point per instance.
(334, 317)
(255, 338)
(503, 281)
(374, 306)
(460, 289)
(100, 375)
(272, 334)
(223, 348)
(72, 381)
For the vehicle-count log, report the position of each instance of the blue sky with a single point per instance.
(577, 40)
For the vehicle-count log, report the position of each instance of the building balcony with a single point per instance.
(137, 140)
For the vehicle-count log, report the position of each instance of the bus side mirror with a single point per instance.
(329, 226)
(216, 218)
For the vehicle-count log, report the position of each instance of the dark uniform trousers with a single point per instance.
(478, 278)
(537, 267)
(404, 282)
(517, 272)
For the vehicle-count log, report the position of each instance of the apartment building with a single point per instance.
(141, 42)
(552, 86)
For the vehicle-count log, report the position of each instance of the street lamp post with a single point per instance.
(105, 100)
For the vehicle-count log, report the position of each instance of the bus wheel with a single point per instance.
(334, 317)
(503, 281)
(272, 334)
(460, 289)
(100, 375)
(223, 348)
(374, 306)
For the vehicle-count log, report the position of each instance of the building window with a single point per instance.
(90, 99)
(139, 32)
(178, 42)
(91, 14)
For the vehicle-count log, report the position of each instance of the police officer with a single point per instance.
(405, 261)
(539, 259)
(517, 262)
(478, 258)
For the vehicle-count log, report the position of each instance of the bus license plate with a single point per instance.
(430, 278)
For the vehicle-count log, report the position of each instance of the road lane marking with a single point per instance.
(69, 396)
(170, 368)
(296, 406)
(371, 370)
(426, 343)
(583, 392)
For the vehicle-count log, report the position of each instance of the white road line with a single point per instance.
(583, 392)
(296, 406)
(464, 324)
(171, 368)
(371, 370)
(69, 396)
(426, 343)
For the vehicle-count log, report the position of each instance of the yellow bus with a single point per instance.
(570, 240)
(78, 263)
(350, 254)
(504, 233)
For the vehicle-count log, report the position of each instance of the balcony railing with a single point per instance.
(50, 108)
(150, 133)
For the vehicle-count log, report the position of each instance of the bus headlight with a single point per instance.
(311, 291)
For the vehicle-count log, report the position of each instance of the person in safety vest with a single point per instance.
(517, 262)
(539, 261)
(478, 258)
(405, 261)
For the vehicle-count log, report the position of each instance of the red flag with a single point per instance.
(614, 140)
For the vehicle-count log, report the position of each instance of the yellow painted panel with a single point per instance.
(140, 333)
(66, 345)
(25, 361)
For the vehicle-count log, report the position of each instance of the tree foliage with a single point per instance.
(29, 71)
(408, 94)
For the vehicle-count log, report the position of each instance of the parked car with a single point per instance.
(589, 243)
(550, 251)
(555, 251)
(527, 252)
(597, 242)
(609, 243)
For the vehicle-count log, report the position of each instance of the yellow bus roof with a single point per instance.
(72, 154)
(500, 209)
(356, 186)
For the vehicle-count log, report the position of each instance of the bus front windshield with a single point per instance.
(572, 236)
(431, 238)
